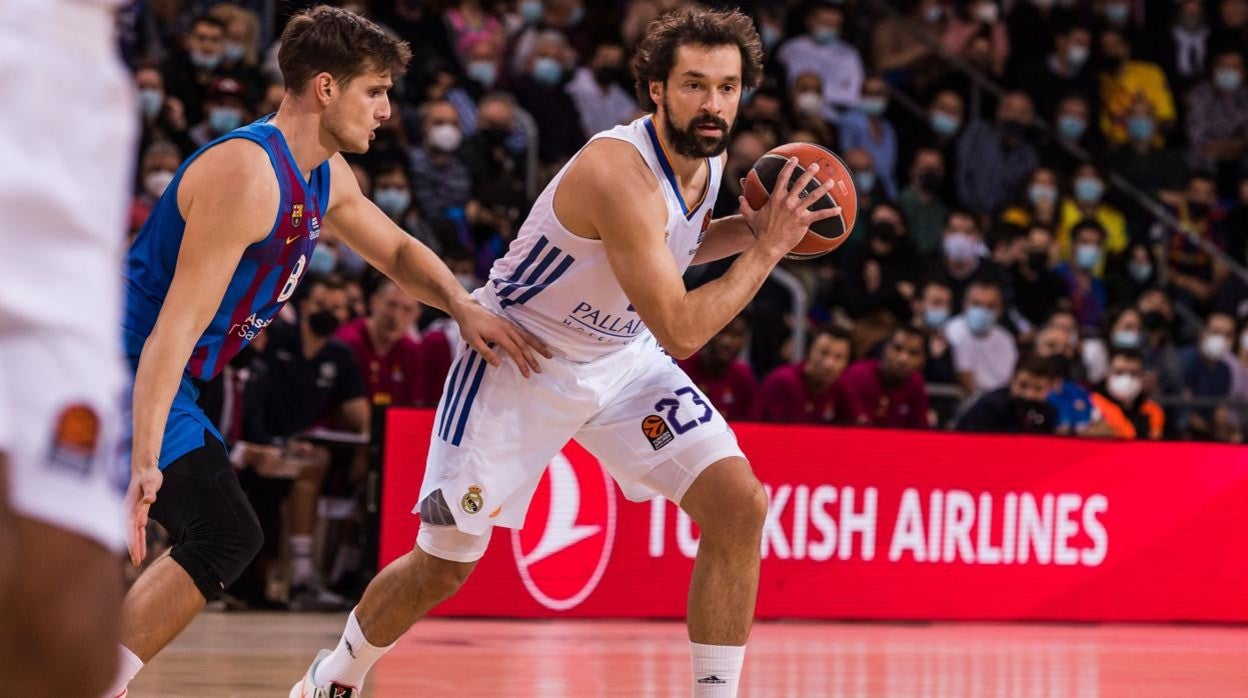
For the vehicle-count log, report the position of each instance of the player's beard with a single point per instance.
(687, 142)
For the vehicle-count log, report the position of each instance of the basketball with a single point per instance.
(825, 235)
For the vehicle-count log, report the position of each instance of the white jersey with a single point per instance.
(560, 287)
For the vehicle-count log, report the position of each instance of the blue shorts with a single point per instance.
(186, 424)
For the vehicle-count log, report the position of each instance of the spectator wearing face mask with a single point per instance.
(1217, 117)
(721, 375)
(1146, 162)
(1130, 275)
(1060, 71)
(881, 273)
(189, 72)
(984, 353)
(1021, 407)
(1194, 275)
(1085, 291)
(1038, 289)
(1121, 402)
(1087, 203)
(539, 90)
(1073, 128)
(866, 183)
(224, 111)
(809, 110)
(803, 392)
(163, 116)
(156, 170)
(1122, 80)
(1038, 204)
(440, 180)
(822, 51)
(887, 392)
(931, 310)
(392, 192)
(866, 128)
(1163, 363)
(596, 89)
(312, 379)
(1073, 404)
(921, 202)
(240, 55)
(963, 256)
(1207, 373)
(995, 159)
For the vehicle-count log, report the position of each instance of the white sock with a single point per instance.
(716, 670)
(350, 661)
(128, 664)
(301, 568)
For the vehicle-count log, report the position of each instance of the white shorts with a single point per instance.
(60, 431)
(634, 409)
(66, 156)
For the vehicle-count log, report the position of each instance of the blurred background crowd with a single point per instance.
(1053, 225)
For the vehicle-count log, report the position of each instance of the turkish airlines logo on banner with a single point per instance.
(563, 549)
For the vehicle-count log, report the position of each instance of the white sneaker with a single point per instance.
(306, 689)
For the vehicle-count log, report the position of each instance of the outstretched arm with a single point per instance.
(228, 198)
(420, 273)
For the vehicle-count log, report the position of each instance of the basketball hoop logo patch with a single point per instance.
(75, 439)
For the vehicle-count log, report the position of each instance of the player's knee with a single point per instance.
(217, 550)
(741, 514)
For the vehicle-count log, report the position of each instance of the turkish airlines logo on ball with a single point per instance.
(563, 549)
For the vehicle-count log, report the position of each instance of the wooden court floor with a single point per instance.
(233, 654)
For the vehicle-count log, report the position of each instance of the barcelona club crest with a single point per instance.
(296, 215)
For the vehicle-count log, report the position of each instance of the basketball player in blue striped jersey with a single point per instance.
(595, 273)
(223, 250)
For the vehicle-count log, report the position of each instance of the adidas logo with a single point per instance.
(712, 679)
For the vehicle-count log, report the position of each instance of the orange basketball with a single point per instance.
(827, 234)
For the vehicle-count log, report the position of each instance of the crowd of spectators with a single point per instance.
(997, 279)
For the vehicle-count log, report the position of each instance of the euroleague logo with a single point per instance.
(565, 545)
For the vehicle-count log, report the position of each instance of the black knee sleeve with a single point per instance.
(214, 530)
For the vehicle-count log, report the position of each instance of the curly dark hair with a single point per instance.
(331, 40)
(656, 54)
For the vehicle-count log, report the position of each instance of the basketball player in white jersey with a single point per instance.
(67, 134)
(596, 274)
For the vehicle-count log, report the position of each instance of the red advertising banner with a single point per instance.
(880, 524)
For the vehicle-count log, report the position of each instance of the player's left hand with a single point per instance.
(486, 331)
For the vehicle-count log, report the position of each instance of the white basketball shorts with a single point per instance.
(634, 409)
(66, 157)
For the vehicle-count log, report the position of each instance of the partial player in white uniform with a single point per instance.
(66, 155)
(596, 274)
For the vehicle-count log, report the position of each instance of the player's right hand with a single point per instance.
(785, 218)
(145, 481)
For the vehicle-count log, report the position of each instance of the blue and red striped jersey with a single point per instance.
(266, 276)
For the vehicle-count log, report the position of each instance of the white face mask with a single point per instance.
(1214, 346)
(987, 13)
(155, 183)
(445, 137)
(809, 103)
(1124, 387)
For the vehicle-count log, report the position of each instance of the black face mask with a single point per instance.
(493, 136)
(322, 323)
(1153, 320)
(1113, 63)
(607, 75)
(930, 181)
(1013, 130)
(1037, 261)
(1197, 210)
(885, 231)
